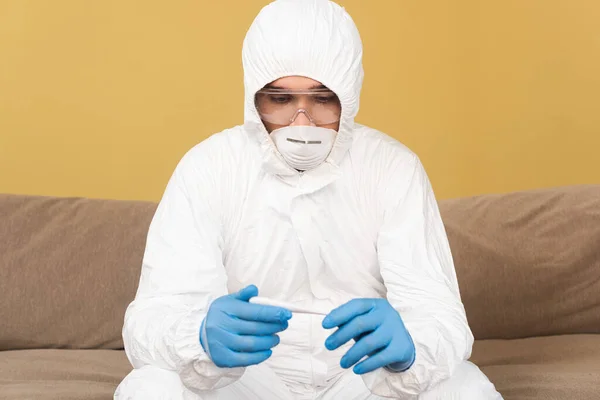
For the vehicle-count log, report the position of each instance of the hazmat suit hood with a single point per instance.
(312, 38)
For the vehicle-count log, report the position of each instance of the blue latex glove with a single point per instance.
(378, 331)
(236, 333)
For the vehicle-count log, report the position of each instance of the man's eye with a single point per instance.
(324, 99)
(280, 99)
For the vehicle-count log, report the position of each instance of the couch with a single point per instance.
(528, 265)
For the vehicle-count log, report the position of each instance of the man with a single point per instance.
(308, 207)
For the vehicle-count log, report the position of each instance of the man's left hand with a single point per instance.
(379, 334)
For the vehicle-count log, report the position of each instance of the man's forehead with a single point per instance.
(295, 83)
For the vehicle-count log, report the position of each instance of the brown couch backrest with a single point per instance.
(528, 263)
(68, 269)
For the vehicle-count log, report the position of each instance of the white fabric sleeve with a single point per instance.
(182, 273)
(418, 271)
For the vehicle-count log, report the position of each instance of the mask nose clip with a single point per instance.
(304, 141)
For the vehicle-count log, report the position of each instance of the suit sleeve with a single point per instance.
(182, 273)
(418, 271)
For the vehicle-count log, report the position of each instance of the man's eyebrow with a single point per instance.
(316, 86)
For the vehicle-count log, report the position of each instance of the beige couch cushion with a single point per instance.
(61, 374)
(528, 263)
(549, 368)
(68, 270)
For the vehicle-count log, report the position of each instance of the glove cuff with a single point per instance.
(401, 367)
(203, 341)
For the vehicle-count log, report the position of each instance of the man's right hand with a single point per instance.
(236, 333)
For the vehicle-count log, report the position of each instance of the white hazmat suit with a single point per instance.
(362, 224)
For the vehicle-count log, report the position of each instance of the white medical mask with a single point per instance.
(304, 147)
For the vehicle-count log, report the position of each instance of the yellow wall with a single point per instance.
(102, 98)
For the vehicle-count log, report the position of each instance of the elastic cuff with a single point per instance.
(185, 339)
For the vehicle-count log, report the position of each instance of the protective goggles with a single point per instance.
(282, 106)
